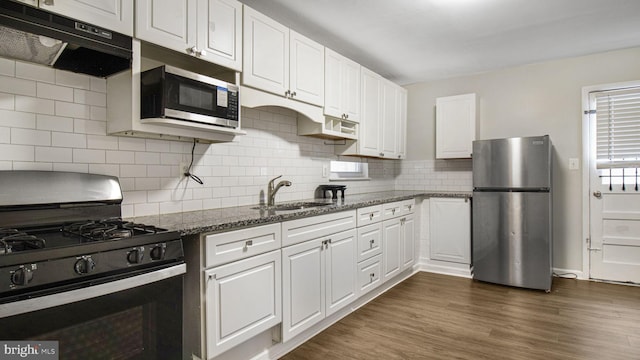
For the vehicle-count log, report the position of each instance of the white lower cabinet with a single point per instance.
(319, 278)
(450, 230)
(242, 300)
(369, 272)
(398, 234)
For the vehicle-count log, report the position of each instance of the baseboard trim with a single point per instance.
(445, 268)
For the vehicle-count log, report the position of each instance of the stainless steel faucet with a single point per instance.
(271, 193)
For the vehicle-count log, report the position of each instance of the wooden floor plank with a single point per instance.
(432, 316)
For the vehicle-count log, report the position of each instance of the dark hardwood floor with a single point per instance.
(431, 316)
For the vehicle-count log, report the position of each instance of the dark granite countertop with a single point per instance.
(224, 219)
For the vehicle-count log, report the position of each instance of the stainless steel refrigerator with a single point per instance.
(512, 230)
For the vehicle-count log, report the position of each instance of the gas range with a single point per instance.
(69, 235)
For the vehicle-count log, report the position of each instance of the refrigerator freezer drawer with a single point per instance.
(512, 240)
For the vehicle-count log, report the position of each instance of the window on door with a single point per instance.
(617, 137)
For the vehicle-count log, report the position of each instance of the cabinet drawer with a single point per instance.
(391, 210)
(235, 245)
(408, 206)
(369, 272)
(369, 241)
(369, 215)
(297, 231)
(242, 300)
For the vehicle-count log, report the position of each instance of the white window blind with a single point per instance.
(618, 128)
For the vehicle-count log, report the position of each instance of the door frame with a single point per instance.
(586, 165)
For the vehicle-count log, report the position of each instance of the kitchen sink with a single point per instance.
(293, 206)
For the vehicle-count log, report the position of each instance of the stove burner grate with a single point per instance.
(108, 229)
(12, 240)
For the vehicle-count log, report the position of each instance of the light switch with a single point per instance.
(574, 164)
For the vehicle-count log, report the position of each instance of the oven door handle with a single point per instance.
(68, 297)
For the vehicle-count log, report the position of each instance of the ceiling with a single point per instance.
(411, 41)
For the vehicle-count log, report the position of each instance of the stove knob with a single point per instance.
(157, 253)
(135, 256)
(22, 276)
(85, 265)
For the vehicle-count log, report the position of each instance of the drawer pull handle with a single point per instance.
(372, 276)
(393, 211)
(248, 243)
(371, 216)
(410, 207)
(371, 242)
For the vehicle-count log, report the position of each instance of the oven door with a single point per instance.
(138, 317)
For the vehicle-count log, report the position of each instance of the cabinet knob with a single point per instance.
(201, 53)
(346, 116)
(381, 154)
(192, 50)
(286, 93)
(293, 94)
(48, 2)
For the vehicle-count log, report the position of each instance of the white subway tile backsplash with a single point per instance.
(17, 152)
(89, 97)
(159, 170)
(159, 196)
(146, 209)
(61, 139)
(120, 157)
(171, 207)
(17, 86)
(54, 123)
(30, 137)
(88, 156)
(7, 101)
(73, 80)
(98, 84)
(5, 135)
(80, 168)
(133, 197)
(147, 183)
(7, 67)
(102, 142)
(35, 72)
(192, 205)
(73, 110)
(54, 92)
(17, 165)
(6, 165)
(133, 171)
(131, 144)
(159, 146)
(55, 155)
(105, 169)
(89, 127)
(147, 158)
(98, 113)
(127, 184)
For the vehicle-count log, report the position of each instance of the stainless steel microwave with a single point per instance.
(169, 92)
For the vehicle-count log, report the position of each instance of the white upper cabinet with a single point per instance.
(455, 126)
(370, 122)
(383, 119)
(219, 27)
(342, 87)
(281, 61)
(207, 29)
(116, 15)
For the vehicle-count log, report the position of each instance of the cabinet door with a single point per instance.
(168, 23)
(306, 69)
(389, 121)
(455, 126)
(351, 98)
(391, 248)
(450, 230)
(116, 15)
(369, 138)
(242, 299)
(220, 32)
(408, 241)
(333, 84)
(341, 271)
(342, 87)
(266, 53)
(303, 276)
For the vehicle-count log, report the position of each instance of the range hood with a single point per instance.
(38, 36)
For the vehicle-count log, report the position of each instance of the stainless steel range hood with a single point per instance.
(35, 35)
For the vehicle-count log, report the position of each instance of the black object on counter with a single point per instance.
(334, 191)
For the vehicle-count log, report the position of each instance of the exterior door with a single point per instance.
(614, 249)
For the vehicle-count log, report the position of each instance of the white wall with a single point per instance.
(56, 120)
(531, 100)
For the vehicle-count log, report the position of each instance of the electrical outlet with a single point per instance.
(325, 170)
(184, 167)
(574, 164)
